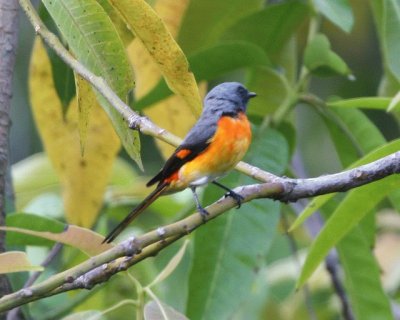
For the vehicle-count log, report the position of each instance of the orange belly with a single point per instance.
(227, 147)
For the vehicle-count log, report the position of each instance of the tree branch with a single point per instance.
(100, 268)
(8, 50)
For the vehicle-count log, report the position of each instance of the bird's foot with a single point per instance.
(203, 213)
(235, 196)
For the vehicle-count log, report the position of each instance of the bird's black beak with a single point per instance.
(252, 95)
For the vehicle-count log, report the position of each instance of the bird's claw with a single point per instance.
(235, 196)
(203, 213)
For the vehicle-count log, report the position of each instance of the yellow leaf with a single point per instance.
(16, 261)
(159, 42)
(83, 239)
(83, 178)
(86, 99)
(172, 114)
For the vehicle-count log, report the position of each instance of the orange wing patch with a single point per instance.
(173, 177)
(181, 154)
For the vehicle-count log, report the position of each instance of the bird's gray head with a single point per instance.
(227, 98)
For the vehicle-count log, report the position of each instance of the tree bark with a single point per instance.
(8, 46)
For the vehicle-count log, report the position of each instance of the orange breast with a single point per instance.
(227, 147)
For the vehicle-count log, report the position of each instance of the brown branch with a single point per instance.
(8, 49)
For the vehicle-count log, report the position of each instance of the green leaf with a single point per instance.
(32, 177)
(214, 61)
(32, 222)
(387, 17)
(353, 134)
(93, 39)
(389, 85)
(210, 63)
(273, 156)
(237, 243)
(368, 300)
(272, 90)
(206, 20)
(287, 60)
(338, 12)
(171, 266)
(378, 103)
(321, 60)
(87, 314)
(155, 311)
(319, 201)
(271, 27)
(350, 211)
(394, 104)
(62, 74)
(118, 22)
(32, 229)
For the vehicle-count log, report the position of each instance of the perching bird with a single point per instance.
(213, 147)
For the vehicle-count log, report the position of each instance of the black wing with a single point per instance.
(195, 142)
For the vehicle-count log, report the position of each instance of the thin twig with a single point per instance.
(331, 264)
(295, 254)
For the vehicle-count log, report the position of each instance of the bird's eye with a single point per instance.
(242, 91)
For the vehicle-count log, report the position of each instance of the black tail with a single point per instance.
(135, 212)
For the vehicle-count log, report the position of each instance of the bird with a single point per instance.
(215, 144)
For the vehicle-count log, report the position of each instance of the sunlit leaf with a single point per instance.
(93, 39)
(16, 261)
(173, 113)
(171, 60)
(83, 179)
